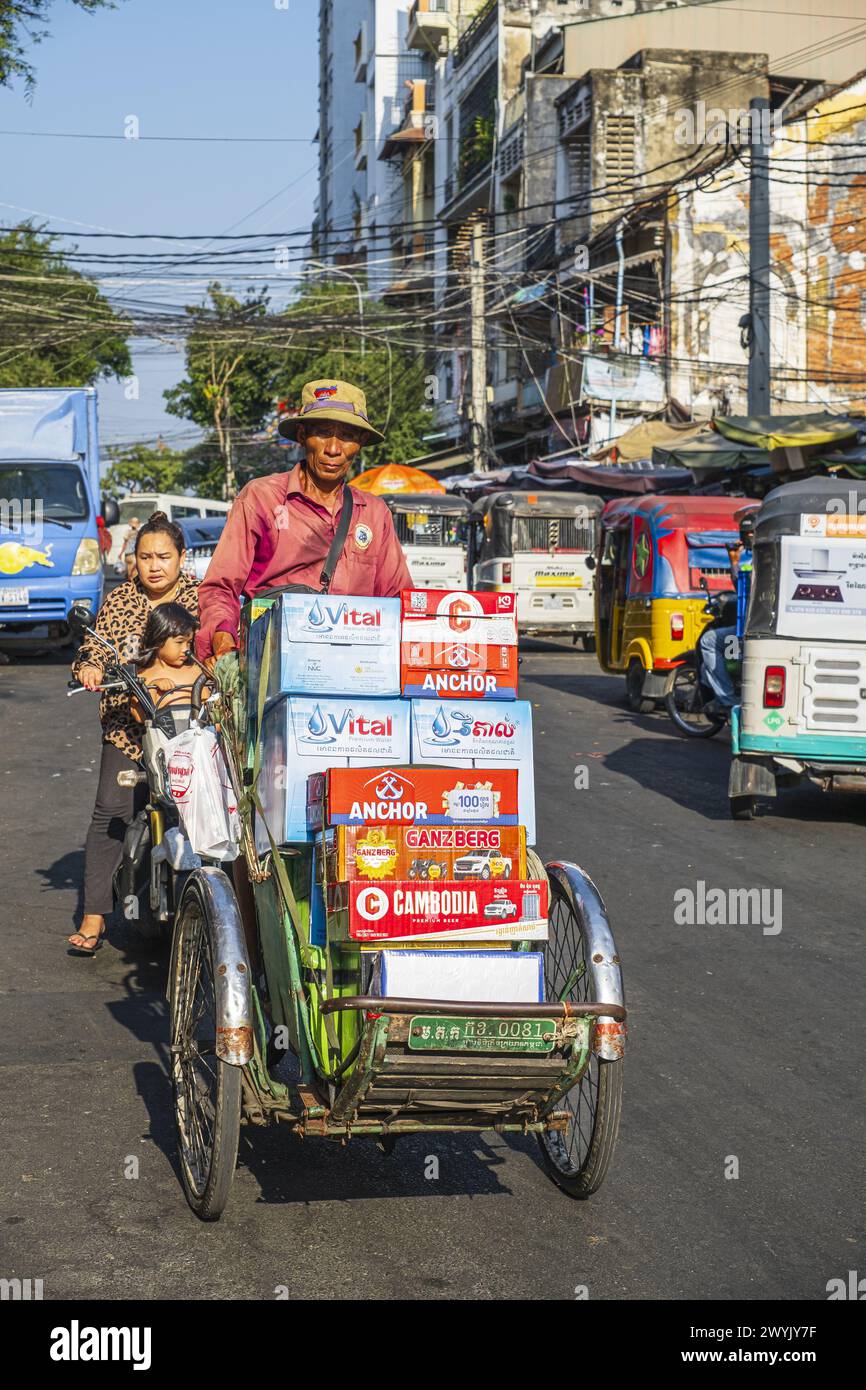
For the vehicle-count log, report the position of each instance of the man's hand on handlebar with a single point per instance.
(223, 642)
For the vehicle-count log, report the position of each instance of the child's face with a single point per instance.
(175, 651)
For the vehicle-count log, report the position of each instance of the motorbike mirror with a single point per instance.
(81, 616)
(590, 562)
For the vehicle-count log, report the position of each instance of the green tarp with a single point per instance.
(786, 431)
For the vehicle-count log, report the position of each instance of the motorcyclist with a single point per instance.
(720, 644)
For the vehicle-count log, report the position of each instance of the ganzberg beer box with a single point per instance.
(426, 853)
(327, 644)
(457, 644)
(490, 910)
(413, 796)
(482, 733)
(301, 735)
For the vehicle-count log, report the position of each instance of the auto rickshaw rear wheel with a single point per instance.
(743, 807)
(634, 680)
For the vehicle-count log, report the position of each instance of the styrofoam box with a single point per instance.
(334, 644)
(479, 733)
(484, 977)
(301, 735)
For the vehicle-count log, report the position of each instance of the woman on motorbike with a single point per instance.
(159, 579)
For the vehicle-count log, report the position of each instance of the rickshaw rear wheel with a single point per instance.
(578, 1159)
(207, 1091)
(634, 688)
(743, 807)
(588, 641)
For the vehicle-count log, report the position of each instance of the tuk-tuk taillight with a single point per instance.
(678, 627)
(774, 687)
(506, 572)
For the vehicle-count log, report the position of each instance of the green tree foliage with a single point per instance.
(325, 341)
(56, 329)
(140, 468)
(22, 25)
(232, 368)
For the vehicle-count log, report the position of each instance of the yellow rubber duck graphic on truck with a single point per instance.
(15, 557)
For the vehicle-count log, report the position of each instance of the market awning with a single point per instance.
(710, 451)
(639, 442)
(786, 431)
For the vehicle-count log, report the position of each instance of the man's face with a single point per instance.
(331, 450)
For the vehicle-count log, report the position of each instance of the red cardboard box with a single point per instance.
(455, 644)
(423, 853)
(513, 911)
(412, 796)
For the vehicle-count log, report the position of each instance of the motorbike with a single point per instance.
(157, 857)
(688, 698)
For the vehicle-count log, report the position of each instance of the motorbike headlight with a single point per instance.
(87, 557)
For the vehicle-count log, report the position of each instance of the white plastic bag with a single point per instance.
(199, 785)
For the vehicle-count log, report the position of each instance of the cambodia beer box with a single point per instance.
(426, 853)
(415, 796)
(334, 644)
(302, 735)
(483, 734)
(458, 644)
(489, 909)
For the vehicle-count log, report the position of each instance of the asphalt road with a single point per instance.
(745, 1045)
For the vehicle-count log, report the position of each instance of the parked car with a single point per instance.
(483, 863)
(201, 536)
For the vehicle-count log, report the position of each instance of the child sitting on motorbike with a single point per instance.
(164, 663)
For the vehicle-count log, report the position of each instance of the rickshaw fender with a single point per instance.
(639, 649)
(750, 778)
(603, 958)
(231, 966)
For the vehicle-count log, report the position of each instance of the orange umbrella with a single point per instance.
(396, 477)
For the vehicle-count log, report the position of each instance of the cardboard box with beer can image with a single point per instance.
(458, 645)
(425, 853)
(490, 910)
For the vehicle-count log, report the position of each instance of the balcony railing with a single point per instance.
(429, 23)
(479, 27)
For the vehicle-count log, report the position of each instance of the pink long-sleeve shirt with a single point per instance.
(276, 534)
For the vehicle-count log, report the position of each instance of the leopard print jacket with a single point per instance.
(121, 621)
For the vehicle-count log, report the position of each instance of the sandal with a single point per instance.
(86, 950)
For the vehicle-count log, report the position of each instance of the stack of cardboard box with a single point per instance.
(395, 753)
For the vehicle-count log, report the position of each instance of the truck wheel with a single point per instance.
(634, 688)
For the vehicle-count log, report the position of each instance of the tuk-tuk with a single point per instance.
(538, 545)
(803, 710)
(657, 560)
(432, 529)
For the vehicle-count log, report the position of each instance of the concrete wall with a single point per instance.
(769, 26)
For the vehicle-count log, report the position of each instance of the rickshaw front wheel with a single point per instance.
(207, 1090)
(578, 1158)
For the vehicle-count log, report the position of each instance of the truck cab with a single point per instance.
(50, 554)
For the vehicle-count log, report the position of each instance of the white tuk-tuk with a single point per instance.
(432, 529)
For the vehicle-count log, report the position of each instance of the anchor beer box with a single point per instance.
(324, 644)
(458, 645)
(413, 796)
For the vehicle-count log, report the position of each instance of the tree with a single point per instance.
(22, 23)
(231, 373)
(326, 342)
(56, 328)
(139, 468)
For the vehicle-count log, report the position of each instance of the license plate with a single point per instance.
(14, 598)
(430, 1033)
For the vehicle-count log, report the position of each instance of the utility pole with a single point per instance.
(759, 257)
(479, 351)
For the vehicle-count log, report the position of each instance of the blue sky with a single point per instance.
(182, 67)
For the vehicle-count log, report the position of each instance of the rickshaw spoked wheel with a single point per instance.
(578, 1159)
(207, 1091)
(634, 688)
